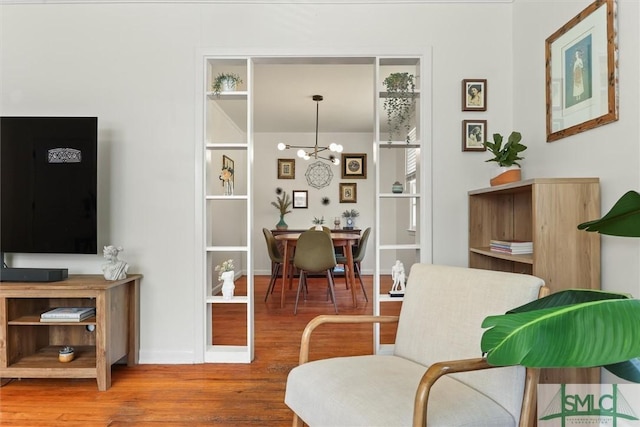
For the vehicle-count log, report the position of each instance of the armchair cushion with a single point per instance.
(384, 399)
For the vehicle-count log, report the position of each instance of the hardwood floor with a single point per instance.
(204, 394)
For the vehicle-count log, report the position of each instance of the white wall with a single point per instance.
(610, 152)
(133, 66)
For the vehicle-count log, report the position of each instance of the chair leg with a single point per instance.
(295, 308)
(346, 276)
(272, 282)
(333, 295)
(357, 267)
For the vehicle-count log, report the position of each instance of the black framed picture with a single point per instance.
(354, 166)
(300, 199)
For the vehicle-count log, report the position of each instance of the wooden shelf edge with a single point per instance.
(524, 258)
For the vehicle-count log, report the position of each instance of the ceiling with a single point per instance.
(283, 91)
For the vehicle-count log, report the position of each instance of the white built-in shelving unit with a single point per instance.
(395, 238)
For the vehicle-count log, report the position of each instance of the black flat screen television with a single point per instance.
(48, 185)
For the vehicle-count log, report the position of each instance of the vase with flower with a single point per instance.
(282, 203)
(226, 275)
(226, 176)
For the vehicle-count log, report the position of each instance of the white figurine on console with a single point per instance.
(398, 276)
(115, 269)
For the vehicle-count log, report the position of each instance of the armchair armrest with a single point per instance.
(439, 369)
(324, 319)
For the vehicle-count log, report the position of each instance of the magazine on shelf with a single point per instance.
(511, 243)
(63, 314)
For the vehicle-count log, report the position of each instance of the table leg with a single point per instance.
(352, 276)
(285, 272)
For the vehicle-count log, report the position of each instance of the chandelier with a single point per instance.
(307, 152)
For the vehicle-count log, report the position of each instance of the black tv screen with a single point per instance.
(48, 185)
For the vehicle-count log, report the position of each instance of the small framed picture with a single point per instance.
(474, 134)
(354, 166)
(300, 199)
(348, 192)
(474, 95)
(286, 168)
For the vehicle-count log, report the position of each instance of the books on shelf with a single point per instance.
(514, 247)
(67, 314)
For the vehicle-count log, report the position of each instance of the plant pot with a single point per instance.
(281, 225)
(228, 85)
(505, 174)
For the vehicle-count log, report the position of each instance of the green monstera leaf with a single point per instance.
(573, 328)
(622, 220)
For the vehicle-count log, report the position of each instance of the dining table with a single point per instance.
(345, 241)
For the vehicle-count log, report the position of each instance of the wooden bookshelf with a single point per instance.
(547, 212)
(29, 348)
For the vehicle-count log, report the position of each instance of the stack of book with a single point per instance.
(513, 247)
(67, 314)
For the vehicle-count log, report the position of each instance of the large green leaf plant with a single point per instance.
(576, 327)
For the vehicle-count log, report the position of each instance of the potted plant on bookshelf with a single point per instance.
(399, 103)
(225, 82)
(282, 203)
(507, 156)
(350, 216)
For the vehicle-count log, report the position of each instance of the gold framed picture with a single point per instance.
(286, 168)
(348, 192)
(354, 166)
(582, 72)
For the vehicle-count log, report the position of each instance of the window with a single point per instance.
(411, 159)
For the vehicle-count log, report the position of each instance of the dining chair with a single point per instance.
(277, 260)
(314, 253)
(358, 256)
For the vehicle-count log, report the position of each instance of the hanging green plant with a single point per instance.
(400, 102)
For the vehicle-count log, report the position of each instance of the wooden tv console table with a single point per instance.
(29, 348)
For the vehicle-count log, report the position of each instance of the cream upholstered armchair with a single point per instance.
(438, 339)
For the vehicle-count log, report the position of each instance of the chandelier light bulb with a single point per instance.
(282, 146)
(339, 148)
(301, 153)
(336, 161)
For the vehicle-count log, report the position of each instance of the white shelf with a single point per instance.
(389, 298)
(234, 300)
(226, 145)
(237, 94)
(222, 197)
(399, 246)
(385, 94)
(398, 144)
(398, 195)
(227, 249)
